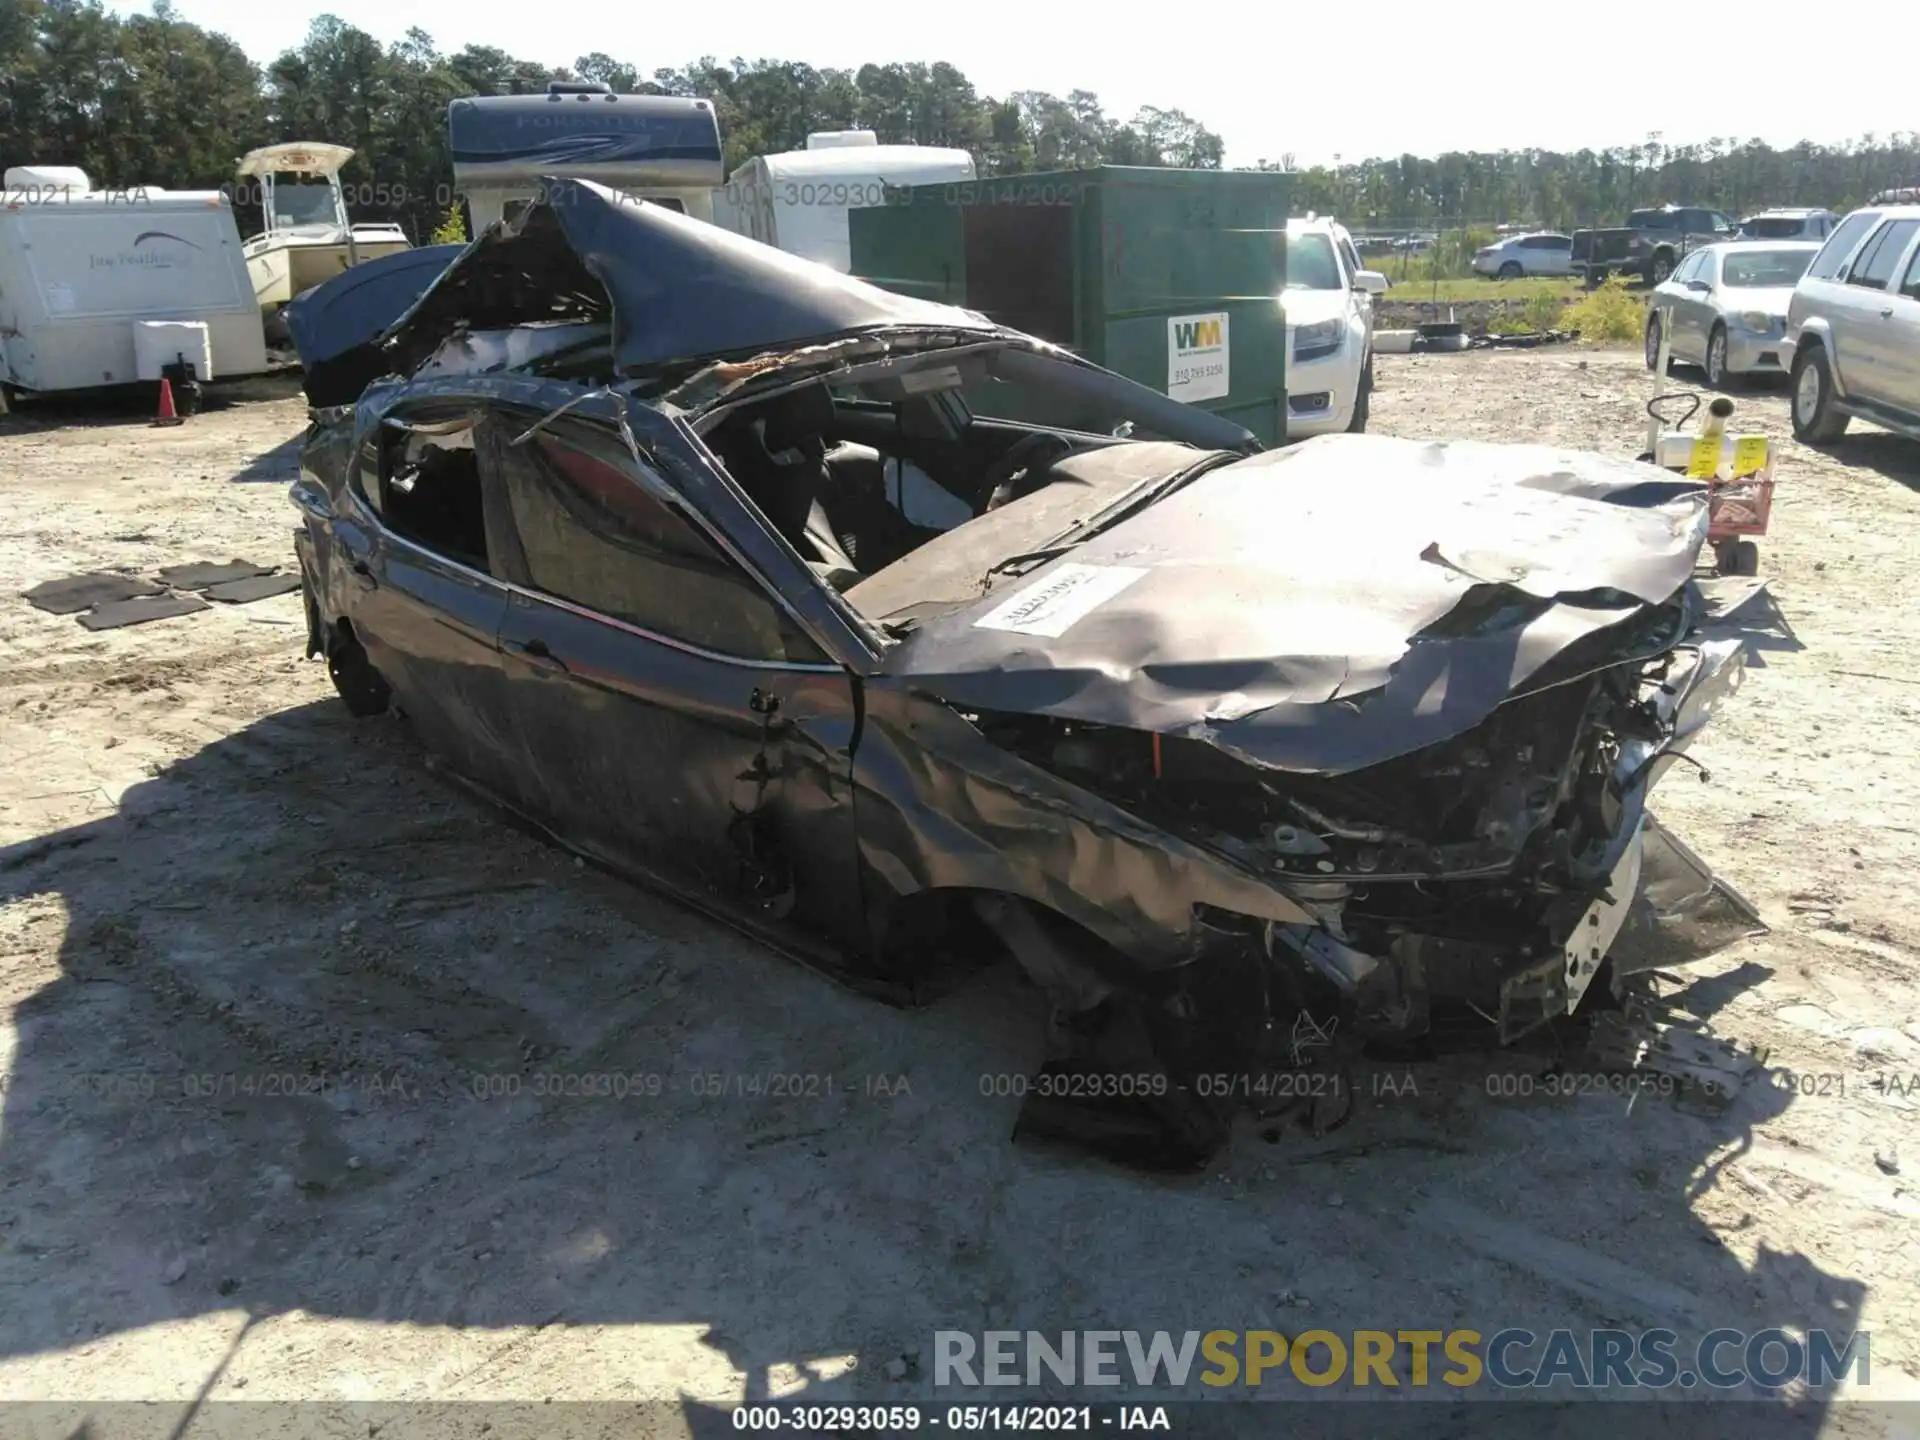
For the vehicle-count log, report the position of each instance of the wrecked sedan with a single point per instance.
(906, 641)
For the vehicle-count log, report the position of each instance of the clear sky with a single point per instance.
(1312, 80)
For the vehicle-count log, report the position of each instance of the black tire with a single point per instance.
(1816, 419)
(1659, 268)
(1363, 399)
(1745, 558)
(1596, 276)
(1653, 339)
(1511, 270)
(1717, 376)
(361, 687)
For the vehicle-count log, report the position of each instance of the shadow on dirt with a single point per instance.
(1894, 456)
(325, 1037)
(1709, 995)
(280, 464)
(1762, 626)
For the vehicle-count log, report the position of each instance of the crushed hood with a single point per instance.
(676, 289)
(1329, 606)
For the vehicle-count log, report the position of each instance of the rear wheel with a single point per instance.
(1660, 269)
(361, 687)
(1816, 419)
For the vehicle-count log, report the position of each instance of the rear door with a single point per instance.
(427, 593)
(673, 716)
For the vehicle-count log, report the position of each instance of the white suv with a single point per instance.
(1329, 310)
(1787, 225)
(1854, 327)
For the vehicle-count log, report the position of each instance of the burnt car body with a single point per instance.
(767, 587)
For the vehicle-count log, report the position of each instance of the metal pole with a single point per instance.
(1661, 358)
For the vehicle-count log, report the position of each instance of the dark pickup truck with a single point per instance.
(1649, 245)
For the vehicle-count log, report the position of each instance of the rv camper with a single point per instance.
(308, 238)
(110, 287)
(663, 148)
(798, 201)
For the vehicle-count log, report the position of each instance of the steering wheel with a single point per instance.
(1022, 469)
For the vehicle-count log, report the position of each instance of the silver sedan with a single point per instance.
(1724, 308)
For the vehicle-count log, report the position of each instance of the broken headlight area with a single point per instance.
(1475, 884)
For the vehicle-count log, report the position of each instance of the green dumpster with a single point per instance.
(1169, 277)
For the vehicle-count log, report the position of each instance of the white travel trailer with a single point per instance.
(109, 287)
(798, 201)
(663, 148)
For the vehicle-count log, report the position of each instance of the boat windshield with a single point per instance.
(304, 205)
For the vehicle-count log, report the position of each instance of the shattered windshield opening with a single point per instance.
(926, 478)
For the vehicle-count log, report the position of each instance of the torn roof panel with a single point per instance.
(679, 289)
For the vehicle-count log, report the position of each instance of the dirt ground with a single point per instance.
(267, 981)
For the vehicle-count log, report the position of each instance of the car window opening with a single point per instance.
(859, 477)
(1311, 264)
(430, 494)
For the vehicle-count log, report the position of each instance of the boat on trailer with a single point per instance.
(308, 238)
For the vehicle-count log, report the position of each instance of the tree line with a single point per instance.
(1588, 187)
(154, 99)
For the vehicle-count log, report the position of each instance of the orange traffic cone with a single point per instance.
(168, 415)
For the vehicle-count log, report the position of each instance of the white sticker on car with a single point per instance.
(1069, 594)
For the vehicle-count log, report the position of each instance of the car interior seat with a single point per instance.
(783, 469)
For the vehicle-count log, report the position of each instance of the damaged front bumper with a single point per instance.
(1267, 1014)
(1651, 884)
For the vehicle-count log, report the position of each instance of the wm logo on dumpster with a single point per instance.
(1197, 334)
